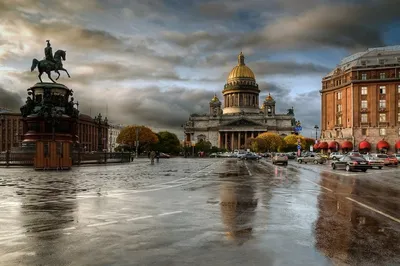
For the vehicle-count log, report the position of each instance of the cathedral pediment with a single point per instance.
(242, 122)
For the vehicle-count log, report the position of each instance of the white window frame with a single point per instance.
(382, 89)
(382, 117)
(339, 108)
(398, 87)
(364, 118)
(364, 90)
(382, 75)
(382, 103)
(364, 104)
(382, 131)
(339, 95)
(398, 117)
(364, 76)
(339, 120)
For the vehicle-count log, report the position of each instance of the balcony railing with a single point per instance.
(364, 110)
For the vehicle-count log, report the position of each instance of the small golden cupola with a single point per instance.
(269, 105)
(215, 106)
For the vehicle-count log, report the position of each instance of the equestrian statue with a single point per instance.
(50, 63)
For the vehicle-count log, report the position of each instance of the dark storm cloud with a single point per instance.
(152, 106)
(351, 25)
(10, 100)
(285, 67)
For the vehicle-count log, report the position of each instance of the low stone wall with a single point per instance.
(26, 158)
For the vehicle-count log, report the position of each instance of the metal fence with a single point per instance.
(25, 158)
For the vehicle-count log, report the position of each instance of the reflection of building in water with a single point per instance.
(48, 207)
(238, 209)
(348, 233)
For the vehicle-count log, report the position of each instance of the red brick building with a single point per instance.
(92, 132)
(360, 102)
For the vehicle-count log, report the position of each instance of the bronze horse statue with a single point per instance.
(48, 66)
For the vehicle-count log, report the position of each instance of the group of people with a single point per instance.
(154, 155)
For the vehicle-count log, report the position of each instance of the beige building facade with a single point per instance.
(229, 124)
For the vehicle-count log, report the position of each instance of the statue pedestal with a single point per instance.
(50, 122)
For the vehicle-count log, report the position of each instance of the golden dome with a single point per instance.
(215, 99)
(269, 97)
(241, 70)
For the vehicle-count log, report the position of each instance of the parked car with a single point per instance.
(280, 158)
(388, 160)
(393, 159)
(350, 163)
(335, 155)
(397, 156)
(316, 159)
(164, 155)
(249, 156)
(354, 153)
(227, 155)
(291, 155)
(214, 155)
(374, 161)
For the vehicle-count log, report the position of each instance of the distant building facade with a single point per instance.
(360, 102)
(92, 132)
(113, 132)
(229, 124)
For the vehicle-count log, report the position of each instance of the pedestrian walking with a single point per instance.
(158, 156)
(152, 156)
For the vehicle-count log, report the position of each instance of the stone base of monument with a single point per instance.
(50, 125)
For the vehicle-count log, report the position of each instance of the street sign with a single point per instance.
(299, 147)
(311, 148)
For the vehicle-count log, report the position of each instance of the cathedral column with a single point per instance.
(226, 140)
(219, 140)
(252, 134)
(238, 140)
(232, 139)
(245, 139)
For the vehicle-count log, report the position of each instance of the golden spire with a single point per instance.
(241, 59)
(269, 97)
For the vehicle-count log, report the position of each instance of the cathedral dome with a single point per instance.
(241, 71)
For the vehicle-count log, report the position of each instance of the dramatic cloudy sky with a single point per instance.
(154, 62)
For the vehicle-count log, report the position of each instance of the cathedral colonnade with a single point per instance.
(232, 140)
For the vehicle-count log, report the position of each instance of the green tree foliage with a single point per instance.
(203, 145)
(272, 141)
(127, 137)
(168, 143)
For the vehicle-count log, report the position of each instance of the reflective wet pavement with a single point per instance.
(200, 212)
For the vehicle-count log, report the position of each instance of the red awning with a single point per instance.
(382, 145)
(323, 145)
(364, 145)
(316, 146)
(333, 145)
(397, 145)
(347, 145)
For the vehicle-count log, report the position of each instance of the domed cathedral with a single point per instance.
(229, 124)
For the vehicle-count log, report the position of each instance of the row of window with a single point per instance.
(364, 91)
(382, 118)
(364, 105)
(382, 75)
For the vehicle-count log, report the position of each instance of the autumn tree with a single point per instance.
(309, 142)
(203, 145)
(291, 142)
(127, 137)
(256, 144)
(272, 141)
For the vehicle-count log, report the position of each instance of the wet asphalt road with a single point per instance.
(200, 212)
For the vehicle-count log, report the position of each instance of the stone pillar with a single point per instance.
(226, 140)
(239, 140)
(252, 134)
(232, 140)
(245, 139)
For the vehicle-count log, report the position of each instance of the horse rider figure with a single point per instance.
(48, 52)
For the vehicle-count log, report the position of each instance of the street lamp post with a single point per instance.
(137, 141)
(316, 130)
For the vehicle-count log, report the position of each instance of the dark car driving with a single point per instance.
(351, 163)
(250, 156)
